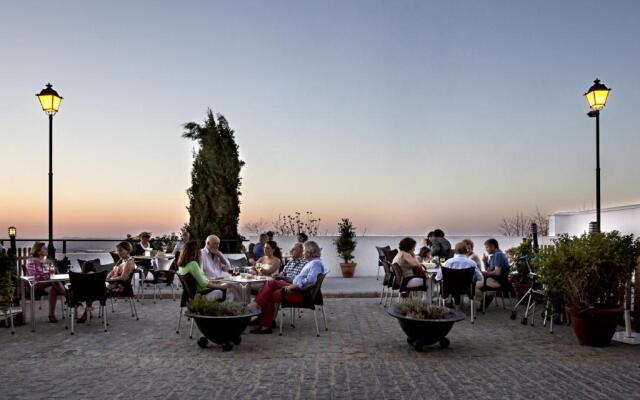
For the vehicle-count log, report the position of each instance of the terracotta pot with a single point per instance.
(595, 327)
(521, 289)
(348, 269)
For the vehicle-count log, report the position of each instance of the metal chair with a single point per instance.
(381, 257)
(504, 288)
(128, 293)
(457, 283)
(86, 288)
(401, 281)
(387, 282)
(312, 298)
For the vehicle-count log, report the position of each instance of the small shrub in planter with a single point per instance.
(220, 322)
(346, 246)
(424, 323)
(589, 275)
(524, 260)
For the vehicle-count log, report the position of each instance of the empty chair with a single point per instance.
(457, 283)
(163, 276)
(312, 298)
(381, 256)
(86, 288)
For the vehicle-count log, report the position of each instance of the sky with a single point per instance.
(401, 115)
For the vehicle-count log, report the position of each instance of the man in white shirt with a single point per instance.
(214, 263)
(461, 261)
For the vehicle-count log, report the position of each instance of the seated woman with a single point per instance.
(270, 263)
(38, 264)
(271, 293)
(408, 263)
(189, 263)
(122, 271)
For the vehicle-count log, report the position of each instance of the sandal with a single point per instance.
(53, 319)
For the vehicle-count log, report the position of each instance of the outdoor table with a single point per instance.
(245, 283)
(31, 281)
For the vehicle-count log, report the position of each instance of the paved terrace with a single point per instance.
(363, 356)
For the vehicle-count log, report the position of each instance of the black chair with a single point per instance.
(39, 293)
(163, 276)
(505, 289)
(457, 283)
(189, 291)
(400, 282)
(387, 282)
(127, 293)
(381, 257)
(86, 288)
(312, 298)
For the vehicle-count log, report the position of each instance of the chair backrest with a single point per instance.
(457, 281)
(397, 272)
(88, 287)
(381, 250)
(317, 287)
(189, 286)
(390, 254)
(164, 264)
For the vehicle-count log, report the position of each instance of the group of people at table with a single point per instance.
(492, 271)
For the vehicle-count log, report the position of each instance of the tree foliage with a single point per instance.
(346, 241)
(214, 195)
(519, 224)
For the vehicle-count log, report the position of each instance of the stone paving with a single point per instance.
(364, 355)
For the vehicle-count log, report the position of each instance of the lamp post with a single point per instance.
(50, 102)
(597, 98)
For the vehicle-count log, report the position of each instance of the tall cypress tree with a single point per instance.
(214, 196)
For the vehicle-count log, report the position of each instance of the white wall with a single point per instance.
(625, 219)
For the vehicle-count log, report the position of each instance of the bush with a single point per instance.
(589, 271)
(7, 271)
(418, 309)
(524, 259)
(346, 241)
(201, 305)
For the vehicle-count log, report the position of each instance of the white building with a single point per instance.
(625, 219)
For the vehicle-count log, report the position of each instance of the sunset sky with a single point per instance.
(402, 115)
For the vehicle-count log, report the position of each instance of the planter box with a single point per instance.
(595, 327)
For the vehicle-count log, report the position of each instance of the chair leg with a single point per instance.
(155, 292)
(135, 311)
(191, 329)
(179, 320)
(112, 309)
(382, 293)
(104, 317)
(473, 308)
(13, 329)
(484, 302)
(62, 307)
(293, 313)
(281, 321)
(72, 318)
(324, 317)
(315, 317)
(378, 274)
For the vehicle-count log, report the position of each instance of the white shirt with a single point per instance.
(212, 266)
(461, 261)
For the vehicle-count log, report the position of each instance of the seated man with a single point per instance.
(461, 261)
(295, 263)
(271, 293)
(497, 265)
(214, 263)
(440, 247)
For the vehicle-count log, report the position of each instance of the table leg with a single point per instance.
(33, 307)
(23, 303)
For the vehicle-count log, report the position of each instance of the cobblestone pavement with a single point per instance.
(363, 356)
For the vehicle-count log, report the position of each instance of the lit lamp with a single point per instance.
(12, 239)
(50, 101)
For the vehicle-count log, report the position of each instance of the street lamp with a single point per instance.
(50, 101)
(597, 97)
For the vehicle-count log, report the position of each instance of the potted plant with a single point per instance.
(423, 323)
(7, 288)
(588, 275)
(346, 246)
(220, 322)
(523, 258)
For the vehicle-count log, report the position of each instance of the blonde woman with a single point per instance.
(38, 264)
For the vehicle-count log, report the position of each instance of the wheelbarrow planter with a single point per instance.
(222, 330)
(425, 332)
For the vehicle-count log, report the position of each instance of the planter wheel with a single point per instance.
(513, 315)
(418, 346)
(523, 321)
(227, 346)
(237, 340)
(444, 343)
(202, 342)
